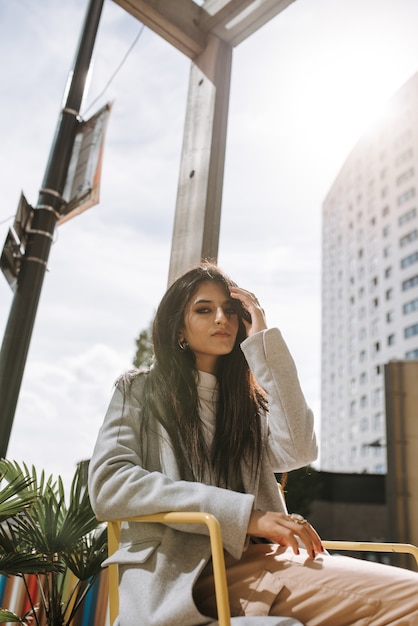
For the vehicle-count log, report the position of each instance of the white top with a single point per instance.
(208, 393)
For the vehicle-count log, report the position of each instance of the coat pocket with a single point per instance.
(136, 552)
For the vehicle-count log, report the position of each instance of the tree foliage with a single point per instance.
(144, 349)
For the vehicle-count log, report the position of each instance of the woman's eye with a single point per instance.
(203, 310)
(230, 311)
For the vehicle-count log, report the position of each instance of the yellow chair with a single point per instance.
(221, 589)
(218, 561)
(371, 546)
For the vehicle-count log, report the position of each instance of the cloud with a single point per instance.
(61, 408)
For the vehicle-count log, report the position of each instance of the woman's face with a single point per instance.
(210, 325)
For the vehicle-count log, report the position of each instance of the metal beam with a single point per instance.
(174, 20)
(206, 34)
(199, 196)
(217, 13)
(236, 24)
(186, 25)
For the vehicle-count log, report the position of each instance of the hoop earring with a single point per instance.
(183, 345)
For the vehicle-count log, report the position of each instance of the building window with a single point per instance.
(390, 316)
(364, 451)
(411, 306)
(411, 282)
(389, 294)
(388, 272)
(404, 156)
(409, 260)
(377, 396)
(386, 251)
(377, 421)
(410, 331)
(386, 231)
(363, 378)
(376, 347)
(407, 195)
(391, 340)
(364, 424)
(407, 217)
(405, 176)
(403, 241)
(385, 211)
(363, 401)
(412, 354)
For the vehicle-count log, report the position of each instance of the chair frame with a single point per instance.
(218, 560)
(371, 546)
(219, 572)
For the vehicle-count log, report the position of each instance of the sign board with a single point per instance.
(82, 187)
(15, 244)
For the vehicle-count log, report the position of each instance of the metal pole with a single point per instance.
(22, 315)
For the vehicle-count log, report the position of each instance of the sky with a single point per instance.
(304, 88)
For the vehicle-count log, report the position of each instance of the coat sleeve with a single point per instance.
(121, 486)
(292, 441)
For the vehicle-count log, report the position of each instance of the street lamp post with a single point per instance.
(50, 203)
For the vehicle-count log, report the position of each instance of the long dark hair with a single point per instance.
(170, 391)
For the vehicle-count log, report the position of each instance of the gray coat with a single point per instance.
(159, 564)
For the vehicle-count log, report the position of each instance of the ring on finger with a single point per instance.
(299, 519)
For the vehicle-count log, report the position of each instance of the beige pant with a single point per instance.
(327, 591)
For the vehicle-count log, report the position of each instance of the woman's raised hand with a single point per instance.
(250, 304)
(283, 529)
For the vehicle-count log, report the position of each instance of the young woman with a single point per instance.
(219, 413)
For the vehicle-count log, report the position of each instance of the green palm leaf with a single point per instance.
(17, 493)
(8, 616)
(13, 564)
(85, 561)
(40, 533)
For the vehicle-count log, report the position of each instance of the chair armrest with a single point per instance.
(371, 546)
(175, 517)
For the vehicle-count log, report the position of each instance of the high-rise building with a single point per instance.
(369, 285)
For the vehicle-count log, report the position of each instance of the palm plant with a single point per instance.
(52, 540)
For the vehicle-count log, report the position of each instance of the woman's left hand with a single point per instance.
(250, 304)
